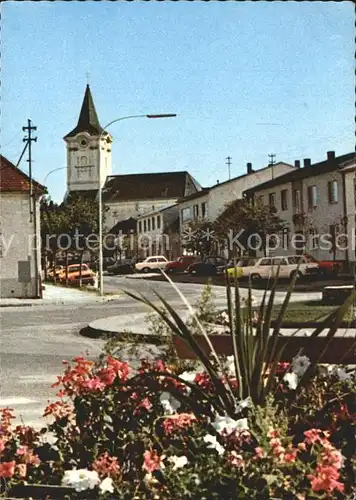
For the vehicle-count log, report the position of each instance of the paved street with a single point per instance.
(35, 340)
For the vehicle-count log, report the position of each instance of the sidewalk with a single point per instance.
(59, 295)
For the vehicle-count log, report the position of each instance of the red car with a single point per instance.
(327, 267)
(181, 264)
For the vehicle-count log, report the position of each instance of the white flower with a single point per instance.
(169, 403)
(81, 479)
(300, 365)
(214, 443)
(178, 462)
(229, 424)
(292, 380)
(230, 366)
(188, 377)
(106, 486)
(342, 374)
(244, 403)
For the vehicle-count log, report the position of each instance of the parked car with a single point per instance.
(54, 272)
(88, 276)
(151, 264)
(181, 264)
(267, 267)
(121, 267)
(208, 266)
(327, 267)
(107, 261)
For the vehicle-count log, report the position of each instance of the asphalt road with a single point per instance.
(35, 340)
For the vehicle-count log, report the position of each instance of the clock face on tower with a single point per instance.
(83, 141)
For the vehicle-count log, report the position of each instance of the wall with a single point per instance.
(17, 244)
(162, 244)
(228, 191)
(80, 179)
(132, 208)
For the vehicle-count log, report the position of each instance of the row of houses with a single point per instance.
(315, 201)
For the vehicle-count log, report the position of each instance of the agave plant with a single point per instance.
(256, 350)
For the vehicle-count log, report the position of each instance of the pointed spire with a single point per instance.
(88, 119)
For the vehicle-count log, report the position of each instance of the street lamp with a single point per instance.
(151, 116)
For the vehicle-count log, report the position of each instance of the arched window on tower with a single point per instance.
(83, 161)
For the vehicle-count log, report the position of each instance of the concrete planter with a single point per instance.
(340, 350)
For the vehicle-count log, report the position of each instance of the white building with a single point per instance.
(158, 232)
(20, 248)
(209, 203)
(317, 203)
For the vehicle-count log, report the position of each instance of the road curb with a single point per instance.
(97, 333)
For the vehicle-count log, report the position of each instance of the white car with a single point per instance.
(267, 267)
(152, 263)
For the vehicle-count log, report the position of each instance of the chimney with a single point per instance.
(331, 155)
(217, 182)
(297, 163)
(307, 162)
(249, 168)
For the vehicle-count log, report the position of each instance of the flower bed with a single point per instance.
(158, 432)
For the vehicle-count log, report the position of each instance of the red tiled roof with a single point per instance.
(13, 179)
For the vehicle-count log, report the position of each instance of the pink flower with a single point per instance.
(325, 479)
(106, 466)
(236, 460)
(93, 384)
(312, 436)
(152, 461)
(290, 456)
(7, 469)
(260, 452)
(177, 422)
(2, 445)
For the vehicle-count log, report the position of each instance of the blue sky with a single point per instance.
(245, 78)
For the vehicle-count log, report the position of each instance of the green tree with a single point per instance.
(245, 218)
(199, 237)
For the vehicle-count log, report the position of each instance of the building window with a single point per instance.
(284, 199)
(313, 239)
(186, 214)
(297, 200)
(272, 200)
(153, 223)
(144, 226)
(83, 161)
(196, 211)
(158, 222)
(140, 226)
(149, 224)
(312, 197)
(203, 209)
(333, 194)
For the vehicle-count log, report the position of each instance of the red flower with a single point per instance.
(7, 469)
(152, 461)
(325, 479)
(177, 422)
(107, 466)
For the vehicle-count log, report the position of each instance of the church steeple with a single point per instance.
(88, 119)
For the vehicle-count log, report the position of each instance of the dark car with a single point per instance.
(181, 264)
(107, 261)
(121, 267)
(208, 266)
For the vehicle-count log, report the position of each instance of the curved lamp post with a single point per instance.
(165, 115)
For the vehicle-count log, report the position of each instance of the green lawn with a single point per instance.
(309, 311)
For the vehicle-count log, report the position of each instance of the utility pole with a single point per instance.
(32, 201)
(228, 163)
(28, 141)
(272, 162)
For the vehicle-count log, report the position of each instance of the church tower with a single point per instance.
(88, 150)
